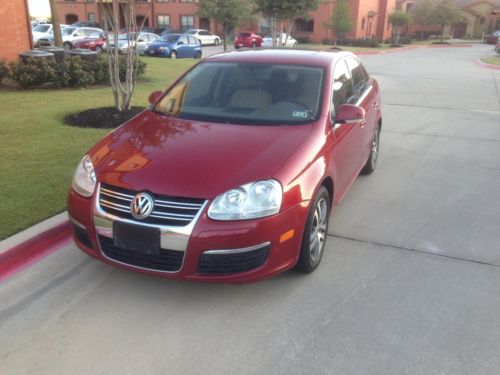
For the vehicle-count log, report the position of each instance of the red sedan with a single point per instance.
(95, 42)
(230, 175)
(248, 39)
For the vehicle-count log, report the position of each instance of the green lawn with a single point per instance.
(491, 60)
(38, 153)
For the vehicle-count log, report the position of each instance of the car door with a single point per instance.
(192, 43)
(183, 46)
(205, 37)
(348, 138)
(366, 97)
(142, 43)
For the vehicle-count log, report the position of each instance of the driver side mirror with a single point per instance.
(350, 114)
(140, 40)
(154, 96)
(180, 43)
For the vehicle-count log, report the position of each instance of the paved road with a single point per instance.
(409, 284)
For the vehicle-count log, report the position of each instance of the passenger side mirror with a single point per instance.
(154, 96)
(350, 114)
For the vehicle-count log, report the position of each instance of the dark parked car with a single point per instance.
(95, 42)
(231, 174)
(248, 39)
(492, 38)
(174, 46)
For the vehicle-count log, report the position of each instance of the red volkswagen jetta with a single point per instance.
(230, 175)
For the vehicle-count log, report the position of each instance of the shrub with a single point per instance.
(371, 43)
(303, 40)
(326, 41)
(34, 72)
(405, 39)
(4, 70)
(72, 72)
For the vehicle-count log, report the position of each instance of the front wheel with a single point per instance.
(315, 232)
(371, 163)
(216, 42)
(98, 49)
(197, 55)
(173, 55)
(67, 46)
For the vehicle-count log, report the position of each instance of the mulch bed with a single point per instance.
(101, 118)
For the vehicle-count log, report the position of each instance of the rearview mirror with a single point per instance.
(154, 96)
(350, 114)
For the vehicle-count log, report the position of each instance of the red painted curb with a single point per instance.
(486, 65)
(33, 250)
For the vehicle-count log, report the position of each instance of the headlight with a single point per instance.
(249, 201)
(163, 48)
(84, 179)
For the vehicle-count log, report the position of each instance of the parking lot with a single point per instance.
(409, 282)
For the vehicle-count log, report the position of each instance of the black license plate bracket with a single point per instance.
(138, 238)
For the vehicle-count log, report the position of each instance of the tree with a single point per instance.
(341, 20)
(229, 13)
(56, 24)
(113, 12)
(446, 14)
(422, 14)
(285, 10)
(398, 19)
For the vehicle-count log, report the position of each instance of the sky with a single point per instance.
(39, 8)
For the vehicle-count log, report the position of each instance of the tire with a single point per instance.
(198, 55)
(315, 231)
(295, 45)
(67, 46)
(98, 49)
(371, 163)
(253, 45)
(173, 55)
(216, 42)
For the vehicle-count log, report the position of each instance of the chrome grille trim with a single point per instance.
(175, 213)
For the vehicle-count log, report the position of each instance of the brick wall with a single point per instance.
(15, 34)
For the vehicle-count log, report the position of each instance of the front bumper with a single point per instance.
(157, 52)
(209, 250)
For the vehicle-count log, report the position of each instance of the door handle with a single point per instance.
(375, 105)
(362, 123)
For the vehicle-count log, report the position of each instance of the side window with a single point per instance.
(359, 76)
(204, 33)
(183, 39)
(343, 90)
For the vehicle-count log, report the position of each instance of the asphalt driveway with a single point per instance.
(409, 284)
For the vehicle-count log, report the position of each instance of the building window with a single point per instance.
(363, 21)
(304, 26)
(481, 20)
(89, 1)
(187, 22)
(163, 21)
(162, 1)
(187, 1)
(91, 17)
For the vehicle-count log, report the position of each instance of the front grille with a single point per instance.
(217, 264)
(82, 236)
(166, 260)
(171, 211)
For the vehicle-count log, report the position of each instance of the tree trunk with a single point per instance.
(56, 24)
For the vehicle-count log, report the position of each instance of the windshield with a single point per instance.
(170, 38)
(68, 30)
(41, 28)
(246, 93)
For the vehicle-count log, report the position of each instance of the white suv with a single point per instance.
(205, 37)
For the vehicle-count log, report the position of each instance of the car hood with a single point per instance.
(184, 158)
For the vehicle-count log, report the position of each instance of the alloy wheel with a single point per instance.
(318, 230)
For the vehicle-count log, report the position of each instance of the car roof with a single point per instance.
(282, 56)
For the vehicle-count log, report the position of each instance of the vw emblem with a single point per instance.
(141, 206)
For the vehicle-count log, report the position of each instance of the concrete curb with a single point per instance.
(33, 244)
(486, 65)
(402, 49)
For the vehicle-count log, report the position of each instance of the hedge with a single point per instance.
(72, 72)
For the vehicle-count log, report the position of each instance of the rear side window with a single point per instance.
(360, 78)
(343, 89)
